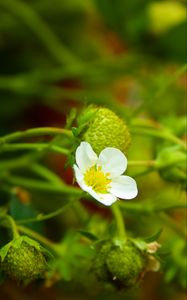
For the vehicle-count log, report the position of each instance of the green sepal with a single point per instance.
(4, 251)
(16, 243)
(71, 118)
(118, 242)
(140, 244)
(75, 131)
(154, 237)
(89, 235)
(87, 115)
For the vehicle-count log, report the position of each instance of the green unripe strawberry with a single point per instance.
(99, 264)
(105, 129)
(23, 260)
(120, 264)
(125, 265)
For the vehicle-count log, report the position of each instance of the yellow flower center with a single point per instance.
(97, 179)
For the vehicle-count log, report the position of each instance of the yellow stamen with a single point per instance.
(97, 179)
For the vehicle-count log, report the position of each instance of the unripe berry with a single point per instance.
(105, 129)
(23, 260)
(99, 264)
(122, 265)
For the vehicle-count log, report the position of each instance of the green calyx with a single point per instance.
(120, 264)
(23, 260)
(105, 129)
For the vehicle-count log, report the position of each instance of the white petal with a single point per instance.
(80, 179)
(113, 161)
(85, 156)
(106, 199)
(124, 187)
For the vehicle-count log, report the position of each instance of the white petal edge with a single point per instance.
(124, 187)
(80, 179)
(85, 156)
(106, 199)
(112, 161)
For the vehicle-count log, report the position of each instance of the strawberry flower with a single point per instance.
(101, 176)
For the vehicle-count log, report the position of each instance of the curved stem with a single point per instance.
(141, 163)
(51, 131)
(41, 217)
(13, 226)
(31, 146)
(39, 185)
(148, 208)
(119, 221)
(46, 174)
(15, 162)
(159, 134)
(143, 172)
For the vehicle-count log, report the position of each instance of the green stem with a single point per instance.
(15, 163)
(159, 134)
(39, 185)
(119, 221)
(141, 163)
(39, 147)
(46, 174)
(41, 217)
(13, 226)
(148, 208)
(51, 131)
(142, 173)
(41, 29)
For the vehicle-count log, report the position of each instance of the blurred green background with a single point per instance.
(126, 55)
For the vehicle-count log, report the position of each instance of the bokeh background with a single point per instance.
(58, 55)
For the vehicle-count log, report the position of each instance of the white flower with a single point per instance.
(102, 176)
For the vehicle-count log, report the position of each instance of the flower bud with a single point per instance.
(153, 247)
(105, 129)
(171, 163)
(23, 260)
